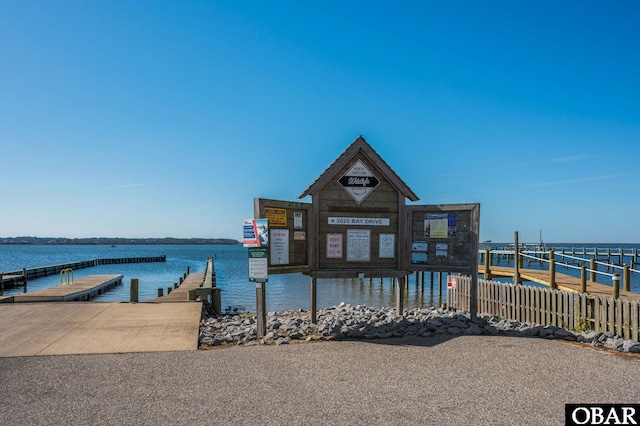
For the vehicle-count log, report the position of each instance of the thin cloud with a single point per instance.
(572, 181)
(569, 159)
(115, 188)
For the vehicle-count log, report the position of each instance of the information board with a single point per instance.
(289, 224)
(443, 238)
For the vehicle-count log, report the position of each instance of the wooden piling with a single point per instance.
(626, 278)
(133, 291)
(516, 261)
(616, 286)
(487, 264)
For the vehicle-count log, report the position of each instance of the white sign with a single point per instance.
(366, 221)
(297, 220)
(358, 181)
(258, 267)
(334, 246)
(387, 246)
(279, 242)
(358, 245)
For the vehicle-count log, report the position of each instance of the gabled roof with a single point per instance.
(360, 145)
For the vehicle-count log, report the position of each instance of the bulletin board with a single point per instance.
(443, 238)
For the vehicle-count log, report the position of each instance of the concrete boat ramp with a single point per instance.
(29, 327)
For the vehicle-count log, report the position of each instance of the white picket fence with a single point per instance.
(569, 310)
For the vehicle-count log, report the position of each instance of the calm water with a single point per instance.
(284, 292)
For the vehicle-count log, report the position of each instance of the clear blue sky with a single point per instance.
(165, 118)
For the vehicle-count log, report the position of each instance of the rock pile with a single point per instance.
(360, 322)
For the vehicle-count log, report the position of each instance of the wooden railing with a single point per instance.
(569, 310)
(551, 259)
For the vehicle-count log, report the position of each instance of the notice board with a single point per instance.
(443, 238)
(289, 225)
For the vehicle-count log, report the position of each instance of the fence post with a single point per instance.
(583, 279)
(133, 297)
(552, 272)
(626, 278)
(616, 286)
(593, 267)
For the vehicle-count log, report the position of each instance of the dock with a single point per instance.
(180, 294)
(562, 281)
(83, 289)
(167, 323)
(15, 278)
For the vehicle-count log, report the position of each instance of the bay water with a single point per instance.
(284, 292)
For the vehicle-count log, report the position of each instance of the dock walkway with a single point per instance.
(180, 294)
(83, 289)
(563, 281)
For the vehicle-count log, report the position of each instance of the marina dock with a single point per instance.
(562, 281)
(83, 289)
(15, 278)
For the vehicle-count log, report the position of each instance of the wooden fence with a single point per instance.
(569, 310)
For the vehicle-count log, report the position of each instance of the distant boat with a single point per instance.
(113, 245)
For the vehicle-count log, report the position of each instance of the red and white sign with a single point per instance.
(334, 246)
(453, 283)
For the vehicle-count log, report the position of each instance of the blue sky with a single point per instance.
(161, 118)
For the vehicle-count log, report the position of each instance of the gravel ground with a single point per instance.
(439, 380)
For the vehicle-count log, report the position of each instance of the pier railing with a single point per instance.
(597, 271)
(566, 309)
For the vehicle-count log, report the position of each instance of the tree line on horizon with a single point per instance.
(113, 241)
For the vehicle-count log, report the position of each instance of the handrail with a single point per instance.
(64, 276)
(542, 259)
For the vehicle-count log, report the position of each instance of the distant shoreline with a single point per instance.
(94, 241)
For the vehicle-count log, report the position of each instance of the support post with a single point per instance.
(626, 278)
(593, 266)
(160, 291)
(216, 300)
(487, 264)
(399, 297)
(133, 291)
(314, 300)
(261, 311)
(583, 279)
(516, 261)
(616, 285)
(552, 274)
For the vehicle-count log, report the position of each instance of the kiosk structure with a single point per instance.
(359, 226)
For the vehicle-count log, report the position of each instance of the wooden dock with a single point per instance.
(83, 289)
(181, 294)
(14, 278)
(563, 281)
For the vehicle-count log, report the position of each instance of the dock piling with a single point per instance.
(133, 291)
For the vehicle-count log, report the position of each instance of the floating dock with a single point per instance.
(83, 289)
(15, 278)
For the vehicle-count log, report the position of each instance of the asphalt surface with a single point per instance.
(444, 380)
